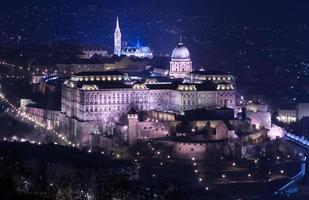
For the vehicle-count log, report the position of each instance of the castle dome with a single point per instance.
(180, 52)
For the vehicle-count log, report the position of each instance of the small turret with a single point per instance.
(132, 116)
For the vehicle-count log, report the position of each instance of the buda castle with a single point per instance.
(97, 99)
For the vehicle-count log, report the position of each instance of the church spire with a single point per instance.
(117, 39)
(117, 23)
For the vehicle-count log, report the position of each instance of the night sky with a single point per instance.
(253, 11)
(204, 24)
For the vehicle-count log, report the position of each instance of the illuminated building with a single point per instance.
(93, 101)
(88, 53)
(134, 51)
(99, 96)
(180, 64)
(302, 110)
(258, 115)
(215, 76)
(140, 52)
(286, 116)
(117, 39)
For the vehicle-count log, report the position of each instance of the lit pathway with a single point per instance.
(298, 140)
(287, 187)
(35, 123)
(305, 144)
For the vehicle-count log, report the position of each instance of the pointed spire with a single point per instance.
(180, 40)
(117, 39)
(137, 42)
(117, 23)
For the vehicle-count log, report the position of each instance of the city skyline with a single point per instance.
(154, 100)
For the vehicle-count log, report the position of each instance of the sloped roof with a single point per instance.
(229, 126)
(95, 73)
(210, 72)
(132, 111)
(104, 84)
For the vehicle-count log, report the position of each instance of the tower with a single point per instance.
(117, 39)
(180, 64)
(132, 125)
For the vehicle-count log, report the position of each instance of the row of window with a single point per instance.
(192, 149)
(126, 100)
(181, 70)
(110, 108)
(226, 101)
(162, 129)
(104, 96)
(226, 94)
(105, 108)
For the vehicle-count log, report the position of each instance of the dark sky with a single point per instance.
(247, 11)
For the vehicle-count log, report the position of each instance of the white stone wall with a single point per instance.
(103, 105)
(260, 119)
(256, 107)
(197, 99)
(49, 117)
(226, 98)
(179, 68)
(302, 110)
(152, 130)
(187, 150)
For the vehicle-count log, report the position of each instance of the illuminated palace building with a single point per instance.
(104, 96)
(93, 101)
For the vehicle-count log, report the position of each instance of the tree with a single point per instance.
(175, 192)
